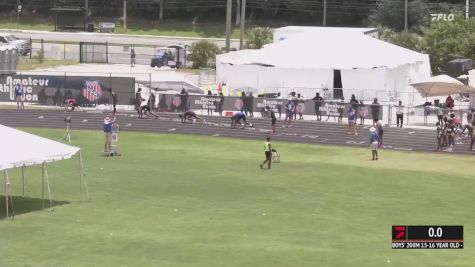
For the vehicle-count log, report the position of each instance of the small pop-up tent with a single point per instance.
(442, 85)
(20, 149)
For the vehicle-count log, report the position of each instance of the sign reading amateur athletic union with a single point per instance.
(28, 83)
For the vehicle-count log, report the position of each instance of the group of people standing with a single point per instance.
(449, 128)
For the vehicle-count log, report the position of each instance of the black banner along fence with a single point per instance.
(179, 103)
(55, 89)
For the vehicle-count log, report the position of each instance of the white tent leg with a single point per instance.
(83, 174)
(9, 189)
(23, 179)
(49, 190)
(43, 185)
(6, 192)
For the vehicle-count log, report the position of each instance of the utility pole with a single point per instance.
(18, 10)
(124, 5)
(243, 18)
(86, 12)
(229, 8)
(467, 9)
(324, 13)
(406, 4)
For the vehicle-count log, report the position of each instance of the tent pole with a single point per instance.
(6, 191)
(23, 178)
(84, 174)
(49, 190)
(80, 175)
(9, 189)
(43, 185)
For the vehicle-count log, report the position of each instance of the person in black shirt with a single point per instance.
(318, 103)
(250, 104)
(272, 117)
(354, 105)
(375, 110)
(138, 102)
(184, 100)
(114, 101)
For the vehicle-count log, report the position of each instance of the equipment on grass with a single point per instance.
(67, 135)
(275, 156)
(114, 148)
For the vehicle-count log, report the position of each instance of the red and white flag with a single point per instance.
(92, 90)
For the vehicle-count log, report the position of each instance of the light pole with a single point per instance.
(324, 13)
(243, 18)
(228, 25)
(467, 9)
(18, 12)
(405, 15)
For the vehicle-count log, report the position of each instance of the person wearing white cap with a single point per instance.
(108, 122)
(373, 142)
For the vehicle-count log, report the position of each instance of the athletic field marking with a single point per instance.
(172, 130)
(355, 142)
(310, 136)
(411, 132)
(128, 125)
(41, 117)
(403, 148)
(83, 121)
(216, 135)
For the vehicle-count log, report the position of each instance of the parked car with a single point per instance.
(22, 45)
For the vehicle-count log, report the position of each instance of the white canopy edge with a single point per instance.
(19, 148)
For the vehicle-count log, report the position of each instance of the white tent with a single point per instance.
(442, 85)
(21, 149)
(308, 60)
(287, 32)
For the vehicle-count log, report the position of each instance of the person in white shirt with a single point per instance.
(399, 114)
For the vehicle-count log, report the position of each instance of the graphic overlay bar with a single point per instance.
(427, 237)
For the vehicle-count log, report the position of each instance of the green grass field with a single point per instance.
(174, 200)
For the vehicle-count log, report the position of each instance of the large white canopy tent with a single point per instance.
(20, 149)
(308, 60)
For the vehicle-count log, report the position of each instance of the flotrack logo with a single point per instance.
(27, 85)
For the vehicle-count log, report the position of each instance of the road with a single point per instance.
(115, 38)
(312, 132)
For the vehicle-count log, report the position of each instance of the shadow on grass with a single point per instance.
(23, 205)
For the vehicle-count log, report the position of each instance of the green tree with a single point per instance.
(406, 39)
(203, 54)
(257, 37)
(447, 40)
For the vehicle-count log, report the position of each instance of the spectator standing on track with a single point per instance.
(440, 114)
(318, 103)
(244, 103)
(354, 105)
(210, 110)
(250, 104)
(221, 103)
(375, 110)
(272, 117)
(399, 114)
(279, 105)
(471, 133)
(138, 102)
(379, 127)
(439, 136)
(352, 121)
(268, 153)
(132, 57)
(300, 103)
(451, 133)
(373, 142)
(114, 101)
(363, 112)
(289, 112)
(184, 100)
(19, 96)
